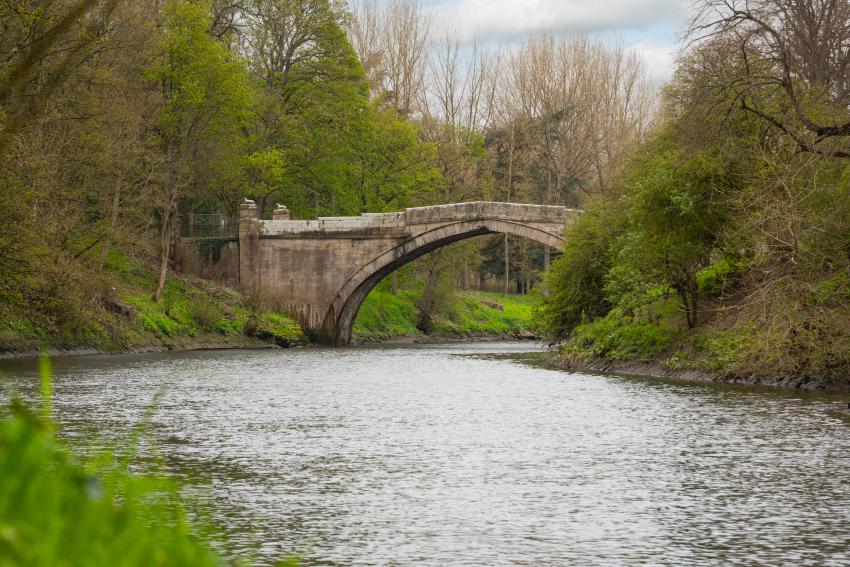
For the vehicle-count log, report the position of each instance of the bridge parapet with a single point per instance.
(400, 221)
(335, 224)
(488, 210)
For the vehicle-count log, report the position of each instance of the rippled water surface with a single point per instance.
(438, 455)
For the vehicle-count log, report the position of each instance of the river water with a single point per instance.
(452, 455)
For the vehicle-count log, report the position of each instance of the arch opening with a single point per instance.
(339, 319)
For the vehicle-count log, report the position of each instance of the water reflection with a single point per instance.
(427, 455)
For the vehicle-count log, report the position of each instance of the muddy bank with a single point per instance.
(833, 385)
(217, 342)
(206, 342)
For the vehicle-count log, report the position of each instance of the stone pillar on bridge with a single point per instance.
(280, 212)
(249, 247)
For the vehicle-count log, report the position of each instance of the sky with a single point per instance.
(650, 27)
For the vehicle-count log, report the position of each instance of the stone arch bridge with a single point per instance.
(322, 270)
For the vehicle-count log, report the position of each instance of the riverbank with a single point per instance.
(658, 369)
(179, 344)
(115, 313)
(385, 317)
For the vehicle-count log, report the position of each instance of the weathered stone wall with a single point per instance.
(302, 275)
(215, 259)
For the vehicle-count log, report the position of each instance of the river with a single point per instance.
(454, 455)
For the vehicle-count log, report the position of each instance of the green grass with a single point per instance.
(62, 508)
(276, 327)
(384, 315)
(715, 350)
(487, 313)
(617, 337)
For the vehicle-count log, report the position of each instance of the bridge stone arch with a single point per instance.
(339, 319)
(322, 270)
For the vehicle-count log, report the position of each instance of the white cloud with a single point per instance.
(510, 19)
(660, 59)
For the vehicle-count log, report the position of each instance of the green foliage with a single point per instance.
(676, 210)
(206, 314)
(276, 327)
(206, 88)
(233, 323)
(384, 315)
(617, 337)
(151, 315)
(716, 350)
(576, 281)
(322, 146)
(716, 278)
(56, 509)
(395, 165)
(831, 289)
(131, 271)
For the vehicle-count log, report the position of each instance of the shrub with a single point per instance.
(233, 323)
(276, 327)
(617, 337)
(151, 316)
(575, 285)
(206, 314)
(714, 279)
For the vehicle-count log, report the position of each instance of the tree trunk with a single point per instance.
(428, 300)
(693, 291)
(689, 292)
(394, 283)
(510, 187)
(113, 222)
(166, 236)
(261, 201)
(507, 266)
(174, 244)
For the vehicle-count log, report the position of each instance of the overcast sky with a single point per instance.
(651, 27)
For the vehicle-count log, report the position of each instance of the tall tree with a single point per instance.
(205, 93)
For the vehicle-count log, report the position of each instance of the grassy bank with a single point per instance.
(114, 312)
(468, 314)
(726, 344)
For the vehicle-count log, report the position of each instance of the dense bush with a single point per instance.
(617, 337)
(575, 285)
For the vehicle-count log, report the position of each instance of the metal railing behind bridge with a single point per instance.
(208, 226)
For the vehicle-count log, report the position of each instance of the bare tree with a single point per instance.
(789, 65)
(582, 105)
(367, 35)
(392, 43)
